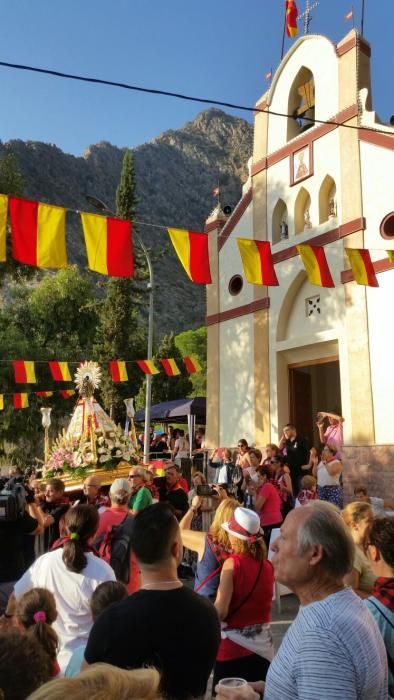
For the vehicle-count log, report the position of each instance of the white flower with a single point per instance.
(112, 434)
(126, 456)
(103, 459)
(100, 441)
(101, 450)
(118, 453)
(110, 445)
(89, 457)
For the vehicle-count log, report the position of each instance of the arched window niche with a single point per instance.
(280, 223)
(301, 104)
(302, 219)
(327, 200)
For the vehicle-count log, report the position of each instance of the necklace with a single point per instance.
(162, 583)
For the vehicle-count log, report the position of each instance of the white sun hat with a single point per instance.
(244, 524)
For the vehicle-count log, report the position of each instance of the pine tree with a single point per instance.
(120, 335)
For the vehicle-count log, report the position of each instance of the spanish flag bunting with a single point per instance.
(44, 394)
(291, 18)
(362, 267)
(390, 255)
(108, 245)
(3, 226)
(315, 263)
(257, 261)
(192, 364)
(38, 233)
(147, 366)
(192, 250)
(60, 371)
(24, 372)
(118, 371)
(1, 402)
(21, 401)
(66, 393)
(170, 367)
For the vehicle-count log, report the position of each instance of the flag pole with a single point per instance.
(362, 16)
(353, 15)
(284, 33)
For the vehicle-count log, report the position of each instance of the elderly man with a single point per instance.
(141, 497)
(333, 650)
(91, 493)
(172, 491)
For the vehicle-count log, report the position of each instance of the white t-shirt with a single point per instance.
(324, 478)
(332, 651)
(182, 447)
(72, 592)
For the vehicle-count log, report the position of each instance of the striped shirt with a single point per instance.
(332, 651)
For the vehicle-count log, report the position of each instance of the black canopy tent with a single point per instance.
(176, 411)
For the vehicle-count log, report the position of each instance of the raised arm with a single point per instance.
(192, 539)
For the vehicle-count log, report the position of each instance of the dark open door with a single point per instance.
(300, 400)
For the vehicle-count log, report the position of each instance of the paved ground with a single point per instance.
(281, 621)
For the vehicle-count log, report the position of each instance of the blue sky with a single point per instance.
(219, 50)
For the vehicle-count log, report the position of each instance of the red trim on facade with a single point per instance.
(235, 217)
(215, 225)
(239, 311)
(306, 139)
(378, 139)
(378, 266)
(323, 239)
(352, 43)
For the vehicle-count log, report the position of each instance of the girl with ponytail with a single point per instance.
(35, 613)
(71, 572)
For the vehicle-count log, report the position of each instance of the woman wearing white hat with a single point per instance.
(244, 602)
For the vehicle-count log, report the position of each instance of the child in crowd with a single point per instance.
(105, 595)
(308, 490)
(35, 613)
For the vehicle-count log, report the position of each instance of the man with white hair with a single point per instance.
(333, 650)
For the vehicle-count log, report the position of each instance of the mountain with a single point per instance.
(175, 175)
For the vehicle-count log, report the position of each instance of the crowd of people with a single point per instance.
(92, 600)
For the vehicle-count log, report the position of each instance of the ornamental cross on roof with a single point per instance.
(307, 14)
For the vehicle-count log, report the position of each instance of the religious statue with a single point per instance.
(307, 220)
(284, 231)
(332, 209)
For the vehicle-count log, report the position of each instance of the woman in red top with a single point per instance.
(268, 504)
(244, 601)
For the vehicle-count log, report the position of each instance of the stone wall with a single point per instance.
(372, 466)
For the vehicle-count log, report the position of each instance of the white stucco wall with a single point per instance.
(230, 264)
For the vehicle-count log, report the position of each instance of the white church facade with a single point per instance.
(322, 176)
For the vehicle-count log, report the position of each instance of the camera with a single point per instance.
(205, 490)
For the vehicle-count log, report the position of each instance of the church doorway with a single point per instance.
(313, 386)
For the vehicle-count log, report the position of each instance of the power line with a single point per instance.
(176, 95)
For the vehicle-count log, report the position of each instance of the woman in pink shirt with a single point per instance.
(333, 432)
(268, 504)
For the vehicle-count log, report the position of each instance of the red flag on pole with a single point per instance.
(291, 18)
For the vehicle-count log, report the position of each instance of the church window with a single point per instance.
(327, 200)
(301, 104)
(235, 285)
(302, 217)
(312, 306)
(387, 226)
(280, 228)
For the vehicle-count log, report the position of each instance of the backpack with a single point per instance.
(115, 548)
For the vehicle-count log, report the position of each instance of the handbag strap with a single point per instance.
(248, 595)
(390, 661)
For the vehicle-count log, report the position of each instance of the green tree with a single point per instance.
(166, 388)
(119, 333)
(195, 343)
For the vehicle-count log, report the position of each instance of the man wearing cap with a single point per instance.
(117, 512)
(172, 492)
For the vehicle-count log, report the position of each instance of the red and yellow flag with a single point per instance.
(60, 371)
(147, 366)
(170, 367)
(1, 402)
(118, 371)
(3, 226)
(109, 245)
(24, 372)
(192, 250)
(38, 233)
(257, 261)
(390, 255)
(291, 18)
(21, 401)
(362, 267)
(315, 263)
(66, 393)
(44, 394)
(192, 364)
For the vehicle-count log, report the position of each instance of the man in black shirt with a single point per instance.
(164, 624)
(297, 454)
(12, 562)
(54, 508)
(172, 492)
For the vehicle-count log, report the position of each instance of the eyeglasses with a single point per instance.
(132, 476)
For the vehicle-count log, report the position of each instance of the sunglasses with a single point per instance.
(132, 476)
